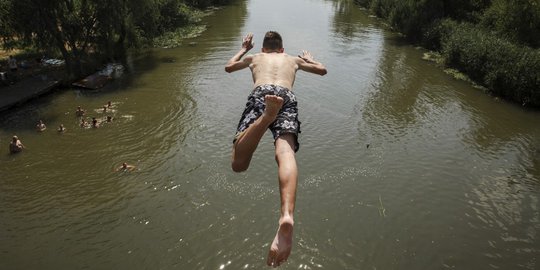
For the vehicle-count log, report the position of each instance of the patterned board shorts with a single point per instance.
(286, 120)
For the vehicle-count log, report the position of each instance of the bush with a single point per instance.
(507, 69)
(434, 33)
(486, 39)
(516, 20)
(414, 17)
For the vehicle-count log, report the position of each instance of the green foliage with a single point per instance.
(381, 8)
(5, 27)
(465, 10)
(516, 20)
(412, 17)
(492, 41)
(86, 29)
(509, 70)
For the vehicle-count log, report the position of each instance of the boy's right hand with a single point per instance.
(247, 43)
(307, 56)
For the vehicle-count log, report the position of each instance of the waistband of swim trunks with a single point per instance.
(270, 86)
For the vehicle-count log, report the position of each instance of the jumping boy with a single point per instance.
(272, 105)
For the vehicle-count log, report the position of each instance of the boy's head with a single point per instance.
(272, 42)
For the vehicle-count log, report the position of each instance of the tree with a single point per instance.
(79, 28)
(69, 26)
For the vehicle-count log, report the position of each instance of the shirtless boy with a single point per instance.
(272, 105)
(40, 127)
(15, 146)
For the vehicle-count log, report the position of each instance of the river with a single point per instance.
(401, 165)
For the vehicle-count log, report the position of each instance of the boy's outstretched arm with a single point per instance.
(236, 62)
(307, 63)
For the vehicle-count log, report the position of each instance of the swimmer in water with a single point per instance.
(272, 105)
(15, 146)
(104, 108)
(109, 119)
(61, 128)
(109, 104)
(40, 127)
(83, 124)
(125, 168)
(95, 123)
(79, 112)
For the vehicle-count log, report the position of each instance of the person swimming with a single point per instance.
(61, 128)
(95, 123)
(40, 126)
(125, 167)
(83, 124)
(15, 146)
(79, 112)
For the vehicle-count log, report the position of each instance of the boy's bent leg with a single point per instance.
(247, 142)
(288, 174)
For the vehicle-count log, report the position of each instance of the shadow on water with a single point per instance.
(346, 21)
(25, 117)
(395, 92)
(135, 65)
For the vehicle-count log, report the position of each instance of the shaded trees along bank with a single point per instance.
(495, 42)
(77, 29)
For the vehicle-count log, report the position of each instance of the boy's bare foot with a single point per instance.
(282, 244)
(273, 105)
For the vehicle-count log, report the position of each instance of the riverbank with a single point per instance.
(476, 39)
(34, 79)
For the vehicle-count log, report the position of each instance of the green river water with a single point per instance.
(400, 165)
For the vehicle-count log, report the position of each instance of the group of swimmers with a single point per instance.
(16, 146)
(40, 127)
(95, 123)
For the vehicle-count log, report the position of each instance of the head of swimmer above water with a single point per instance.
(272, 42)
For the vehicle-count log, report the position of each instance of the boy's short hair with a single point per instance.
(272, 40)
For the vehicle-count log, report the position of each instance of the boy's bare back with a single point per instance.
(274, 68)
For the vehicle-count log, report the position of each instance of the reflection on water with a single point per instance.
(401, 166)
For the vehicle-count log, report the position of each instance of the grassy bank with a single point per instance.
(495, 43)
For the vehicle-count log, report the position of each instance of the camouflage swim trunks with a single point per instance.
(286, 120)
